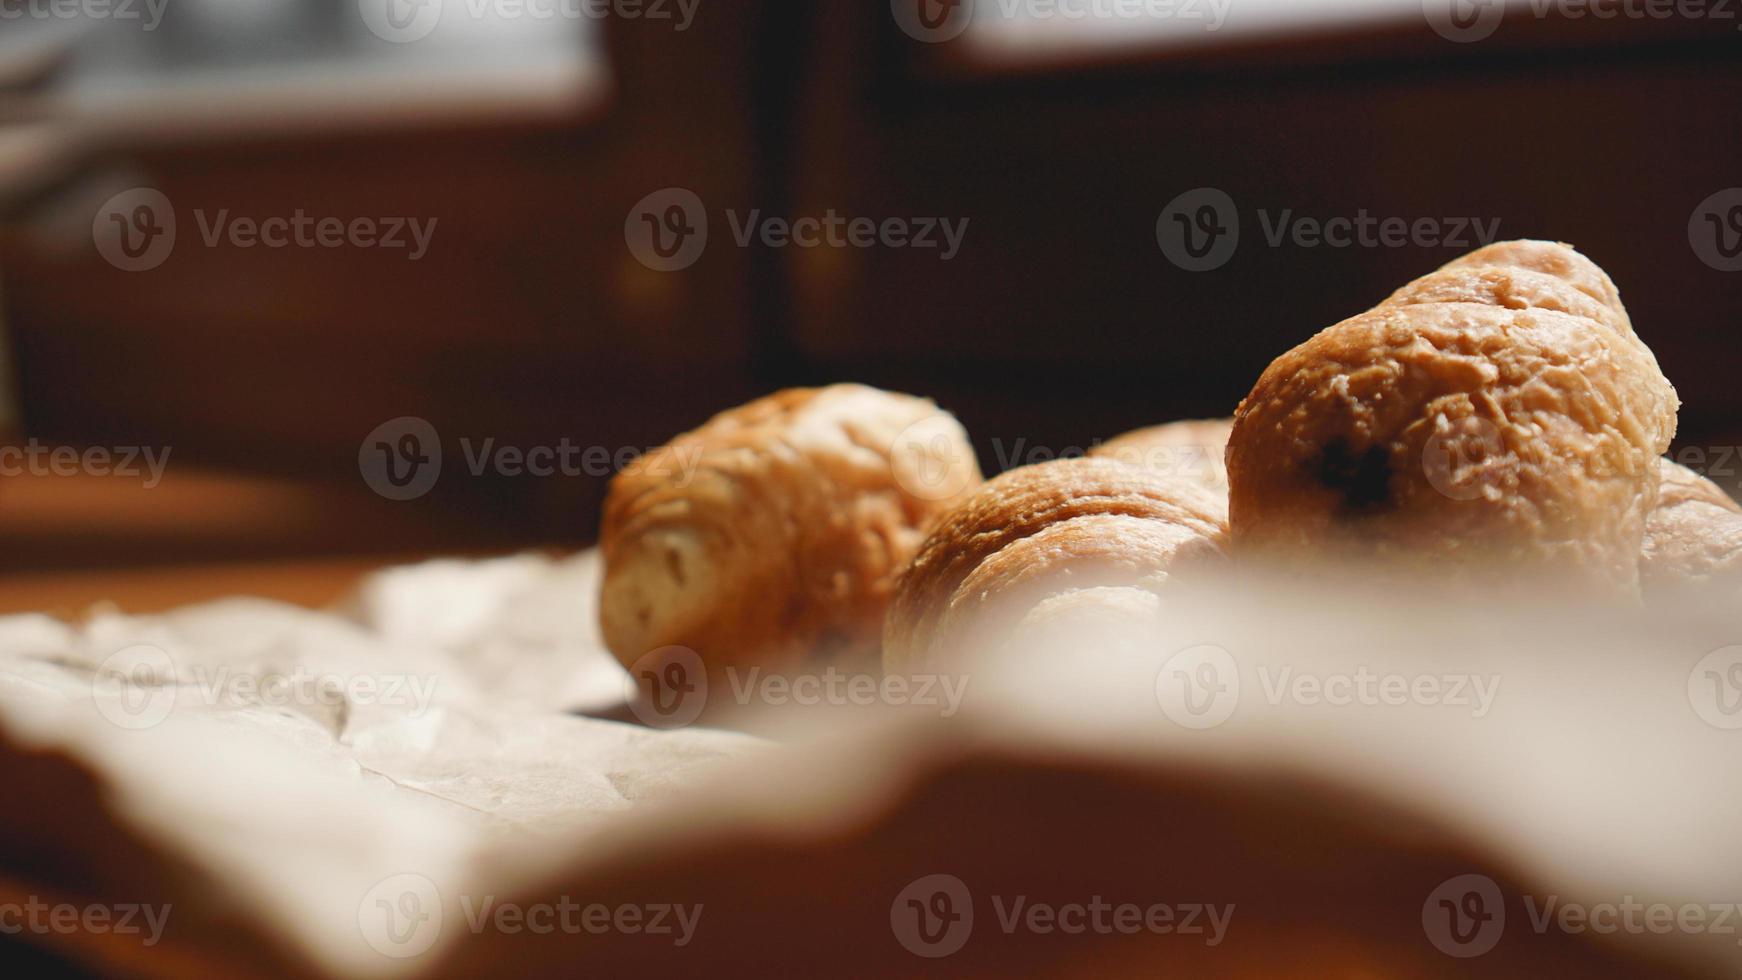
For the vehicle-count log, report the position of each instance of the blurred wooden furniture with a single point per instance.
(527, 322)
(1060, 321)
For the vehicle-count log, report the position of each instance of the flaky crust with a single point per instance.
(1693, 538)
(1524, 275)
(1497, 412)
(773, 534)
(1034, 533)
(1192, 449)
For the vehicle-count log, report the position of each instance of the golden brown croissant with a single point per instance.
(1693, 537)
(774, 533)
(1025, 539)
(1191, 449)
(1498, 410)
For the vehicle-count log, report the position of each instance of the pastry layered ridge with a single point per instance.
(1073, 541)
(1500, 413)
(1693, 538)
(773, 534)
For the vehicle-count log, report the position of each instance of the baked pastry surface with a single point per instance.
(772, 535)
(1693, 538)
(1500, 411)
(1033, 534)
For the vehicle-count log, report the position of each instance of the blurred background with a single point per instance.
(536, 145)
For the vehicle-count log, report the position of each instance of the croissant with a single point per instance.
(1190, 449)
(1043, 541)
(773, 534)
(1693, 537)
(1500, 410)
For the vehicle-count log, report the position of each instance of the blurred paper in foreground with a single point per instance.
(1339, 786)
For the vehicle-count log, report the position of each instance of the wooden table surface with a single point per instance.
(70, 594)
